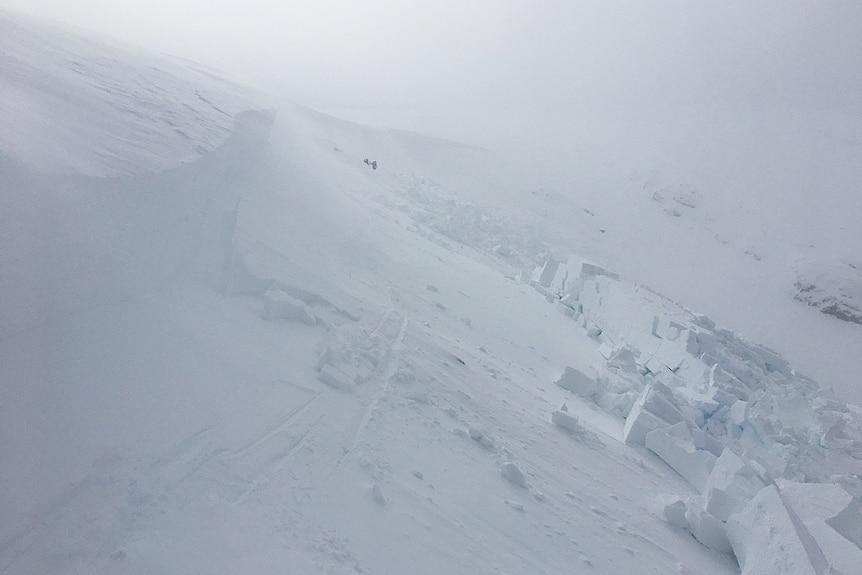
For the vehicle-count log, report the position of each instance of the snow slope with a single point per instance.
(271, 358)
(730, 210)
(136, 113)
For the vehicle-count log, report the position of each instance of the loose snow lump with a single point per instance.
(377, 495)
(480, 437)
(565, 420)
(513, 475)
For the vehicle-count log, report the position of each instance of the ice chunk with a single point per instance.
(578, 382)
(675, 446)
(767, 540)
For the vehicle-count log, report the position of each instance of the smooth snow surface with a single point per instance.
(254, 353)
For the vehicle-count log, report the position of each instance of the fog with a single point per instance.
(489, 69)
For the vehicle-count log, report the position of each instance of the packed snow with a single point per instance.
(230, 344)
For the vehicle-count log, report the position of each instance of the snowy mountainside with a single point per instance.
(835, 288)
(74, 107)
(274, 358)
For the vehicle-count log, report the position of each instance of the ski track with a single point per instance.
(390, 367)
(276, 463)
(276, 429)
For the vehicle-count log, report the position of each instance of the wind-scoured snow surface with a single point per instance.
(229, 345)
(72, 107)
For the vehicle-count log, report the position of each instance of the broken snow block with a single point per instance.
(567, 310)
(706, 528)
(672, 509)
(513, 475)
(549, 271)
(639, 422)
(619, 403)
(578, 382)
(731, 485)
(849, 523)
(624, 359)
(735, 418)
(652, 410)
(654, 365)
(565, 420)
(280, 305)
(767, 541)
(570, 300)
(827, 511)
(606, 350)
(675, 446)
(589, 270)
(657, 329)
(334, 377)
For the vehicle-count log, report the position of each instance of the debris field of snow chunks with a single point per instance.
(777, 460)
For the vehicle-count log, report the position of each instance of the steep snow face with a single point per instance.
(74, 107)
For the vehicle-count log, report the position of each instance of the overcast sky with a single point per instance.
(506, 57)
